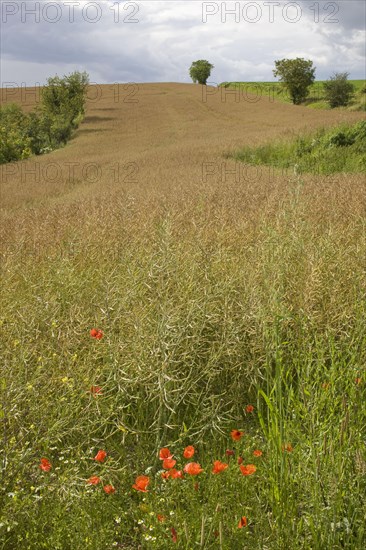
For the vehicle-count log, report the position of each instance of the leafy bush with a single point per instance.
(348, 136)
(15, 141)
(338, 90)
(48, 127)
(65, 96)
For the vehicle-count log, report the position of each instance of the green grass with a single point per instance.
(315, 100)
(340, 149)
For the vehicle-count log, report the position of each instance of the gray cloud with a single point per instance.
(169, 35)
(349, 15)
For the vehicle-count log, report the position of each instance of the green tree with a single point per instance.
(296, 75)
(63, 106)
(200, 71)
(14, 141)
(49, 125)
(338, 90)
(66, 96)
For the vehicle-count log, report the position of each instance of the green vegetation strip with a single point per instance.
(340, 149)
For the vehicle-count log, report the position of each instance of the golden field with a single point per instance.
(216, 285)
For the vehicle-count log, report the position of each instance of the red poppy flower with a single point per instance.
(236, 435)
(249, 408)
(160, 518)
(230, 452)
(96, 390)
(96, 333)
(287, 447)
(164, 454)
(100, 456)
(257, 452)
(45, 465)
(109, 489)
(175, 474)
(141, 483)
(193, 468)
(188, 451)
(240, 460)
(174, 535)
(93, 480)
(169, 463)
(358, 381)
(219, 467)
(248, 470)
(243, 522)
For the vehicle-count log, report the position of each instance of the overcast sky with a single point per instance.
(156, 40)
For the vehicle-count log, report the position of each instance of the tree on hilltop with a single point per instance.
(200, 71)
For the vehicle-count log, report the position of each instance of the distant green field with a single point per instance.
(316, 98)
